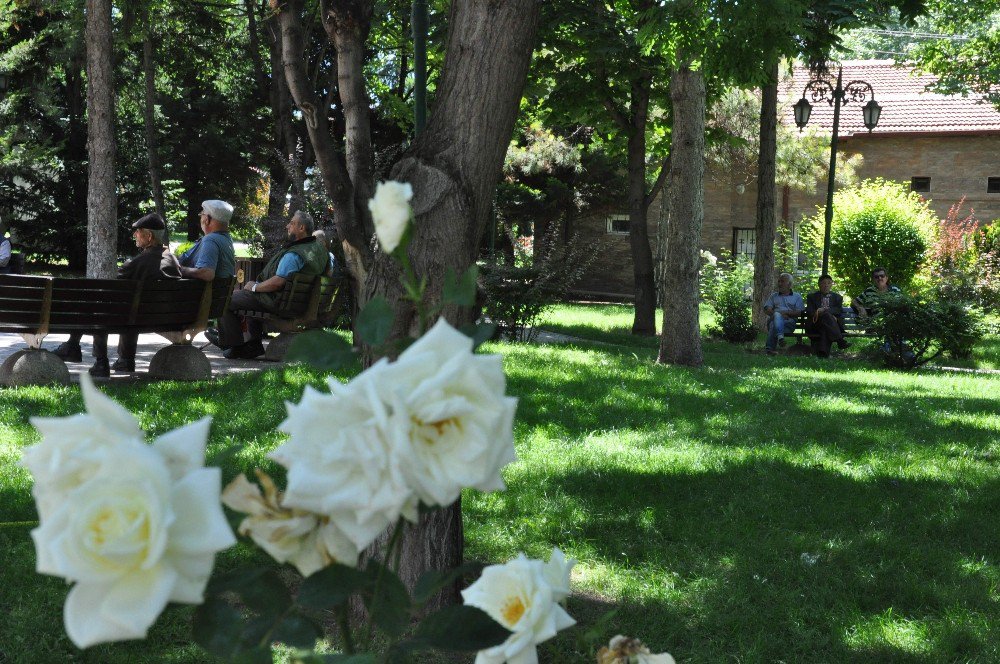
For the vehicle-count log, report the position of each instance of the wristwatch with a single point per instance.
(253, 289)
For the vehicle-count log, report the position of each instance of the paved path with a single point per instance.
(148, 345)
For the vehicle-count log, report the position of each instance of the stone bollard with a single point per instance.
(33, 366)
(180, 362)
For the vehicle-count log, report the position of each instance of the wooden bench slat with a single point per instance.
(8, 304)
(91, 285)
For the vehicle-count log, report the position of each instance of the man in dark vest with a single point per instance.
(301, 254)
(155, 262)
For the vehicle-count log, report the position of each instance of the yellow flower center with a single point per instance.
(512, 610)
(431, 432)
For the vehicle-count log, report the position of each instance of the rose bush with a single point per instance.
(133, 526)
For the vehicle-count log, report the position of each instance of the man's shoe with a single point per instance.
(123, 365)
(69, 352)
(844, 343)
(247, 351)
(212, 334)
(771, 351)
(100, 368)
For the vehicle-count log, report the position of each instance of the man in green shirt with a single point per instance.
(300, 254)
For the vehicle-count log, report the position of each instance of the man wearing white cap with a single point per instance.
(212, 256)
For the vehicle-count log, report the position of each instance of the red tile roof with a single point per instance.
(906, 106)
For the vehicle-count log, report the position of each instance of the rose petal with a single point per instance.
(184, 447)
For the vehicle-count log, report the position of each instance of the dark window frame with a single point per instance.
(736, 237)
(611, 219)
(920, 184)
(993, 185)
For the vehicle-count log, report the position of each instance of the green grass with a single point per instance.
(756, 509)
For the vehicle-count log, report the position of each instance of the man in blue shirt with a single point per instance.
(212, 256)
(302, 253)
(782, 309)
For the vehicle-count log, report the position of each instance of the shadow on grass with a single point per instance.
(767, 561)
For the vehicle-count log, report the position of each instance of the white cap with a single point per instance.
(220, 210)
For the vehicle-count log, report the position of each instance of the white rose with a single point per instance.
(134, 526)
(340, 462)
(306, 540)
(451, 420)
(390, 208)
(518, 597)
(557, 573)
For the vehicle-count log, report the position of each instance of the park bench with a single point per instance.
(303, 303)
(35, 306)
(852, 328)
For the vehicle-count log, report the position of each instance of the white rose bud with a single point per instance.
(391, 212)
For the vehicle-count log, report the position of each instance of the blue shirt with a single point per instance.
(779, 302)
(214, 251)
(289, 264)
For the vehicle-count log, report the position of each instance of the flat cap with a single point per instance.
(220, 210)
(153, 222)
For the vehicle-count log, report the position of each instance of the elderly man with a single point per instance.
(782, 308)
(155, 262)
(302, 253)
(212, 256)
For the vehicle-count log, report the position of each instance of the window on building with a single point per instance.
(920, 184)
(744, 242)
(618, 224)
(993, 185)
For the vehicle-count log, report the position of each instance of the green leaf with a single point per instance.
(389, 603)
(217, 628)
(434, 580)
(375, 321)
(460, 291)
(324, 350)
(297, 631)
(480, 333)
(260, 655)
(461, 627)
(331, 587)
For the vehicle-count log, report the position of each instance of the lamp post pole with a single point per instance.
(835, 95)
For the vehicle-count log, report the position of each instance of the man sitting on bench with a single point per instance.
(301, 254)
(825, 317)
(782, 309)
(155, 262)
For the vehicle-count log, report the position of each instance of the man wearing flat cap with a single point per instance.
(212, 256)
(154, 262)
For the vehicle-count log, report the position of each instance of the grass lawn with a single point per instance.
(756, 509)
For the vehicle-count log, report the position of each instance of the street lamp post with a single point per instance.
(820, 89)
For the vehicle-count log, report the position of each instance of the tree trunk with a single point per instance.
(763, 260)
(681, 339)
(149, 117)
(347, 23)
(285, 137)
(644, 322)
(336, 179)
(454, 166)
(102, 202)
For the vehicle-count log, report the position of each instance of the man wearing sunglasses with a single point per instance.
(866, 304)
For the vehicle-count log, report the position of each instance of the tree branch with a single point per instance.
(661, 178)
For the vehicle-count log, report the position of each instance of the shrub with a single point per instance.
(542, 274)
(877, 224)
(954, 269)
(916, 330)
(987, 244)
(726, 286)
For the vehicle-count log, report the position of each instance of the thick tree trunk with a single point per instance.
(454, 166)
(347, 23)
(644, 321)
(336, 179)
(681, 339)
(102, 202)
(763, 261)
(149, 118)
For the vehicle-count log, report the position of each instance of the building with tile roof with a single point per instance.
(947, 147)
